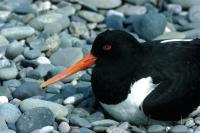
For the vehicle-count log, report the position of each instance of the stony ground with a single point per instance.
(40, 38)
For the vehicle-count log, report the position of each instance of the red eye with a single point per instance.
(107, 47)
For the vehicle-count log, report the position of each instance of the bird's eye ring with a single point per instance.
(107, 47)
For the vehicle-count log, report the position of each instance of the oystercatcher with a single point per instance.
(138, 82)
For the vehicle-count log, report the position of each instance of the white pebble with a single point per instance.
(113, 12)
(47, 129)
(43, 60)
(3, 99)
(73, 99)
(64, 127)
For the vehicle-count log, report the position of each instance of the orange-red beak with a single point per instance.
(85, 62)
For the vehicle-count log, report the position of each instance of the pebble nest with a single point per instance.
(40, 38)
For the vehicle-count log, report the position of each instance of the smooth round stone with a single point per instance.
(156, 129)
(124, 125)
(186, 3)
(192, 33)
(73, 99)
(85, 130)
(95, 117)
(14, 49)
(25, 9)
(12, 4)
(52, 28)
(100, 129)
(18, 32)
(197, 129)
(9, 72)
(104, 4)
(137, 130)
(116, 130)
(4, 62)
(12, 83)
(4, 91)
(190, 122)
(64, 127)
(171, 35)
(57, 109)
(33, 74)
(78, 121)
(15, 102)
(197, 120)
(26, 90)
(128, 10)
(114, 22)
(194, 13)
(67, 10)
(137, 2)
(105, 122)
(81, 112)
(179, 129)
(43, 69)
(7, 131)
(66, 57)
(149, 25)
(175, 8)
(68, 90)
(47, 129)
(32, 54)
(4, 15)
(91, 16)
(79, 29)
(10, 113)
(3, 99)
(43, 60)
(34, 119)
(3, 41)
(3, 125)
(51, 43)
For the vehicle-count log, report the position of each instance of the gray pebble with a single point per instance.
(194, 13)
(9, 112)
(67, 56)
(4, 91)
(100, 128)
(81, 112)
(34, 119)
(9, 72)
(12, 83)
(186, 3)
(51, 43)
(18, 32)
(3, 125)
(43, 69)
(179, 129)
(43, 60)
(78, 121)
(114, 22)
(175, 8)
(26, 90)
(64, 127)
(190, 122)
(91, 16)
(114, 129)
(4, 62)
(67, 10)
(105, 122)
(14, 49)
(156, 129)
(4, 15)
(85, 130)
(32, 54)
(137, 130)
(7, 131)
(124, 125)
(128, 10)
(52, 28)
(79, 29)
(57, 109)
(95, 117)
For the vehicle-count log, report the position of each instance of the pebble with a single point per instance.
(114, 129)
(179, 129)
(114, 22)
(194, 13)
(15, 102)
(4, 15)
(3, 40)
(43, 69)
(97, 116)
(197, 120)
(31, 54)
(26, 90)
(190, 122)
(85, 130)
(105, 122)
(64, 127)
(137, 130)
(3, 99)
(8, 72)
(78, 121)
(4, 62)
(4, 91)
(25, 9)
(47, 129)
(18, 32)
(73, 99)
(67, 10)
(35, 118)
(156, 129)
(57, 109)
(66, 56)
(51, 43)
(186, 3)
(12, 83)
(124, 125)
(7, 131)
(52, 28)
(33, 74)
(81, 112)
(99, 129)
(128, 10)
(175, 8)
(149, 25)
(9, 112)
(68, 90)
(104, 4)
(91, 16)
(43, 60)
(137, 2)
(14, 49)
(79, 29)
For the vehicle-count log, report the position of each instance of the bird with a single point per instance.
(145, 82)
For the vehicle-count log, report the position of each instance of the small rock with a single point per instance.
(24, 9)
(190, 122)
(52, 28)
(67, 56)
(3, 99)
(47, 129)
(32, 54)
(33, 74)
(99, 129)
(14, 49)
(194, 13)
(43, 69)
(8, 72)
(51, 43)
(34, 119)
(175, 8)
(81, 112)
(79, 29)
(73, 99)
(43, 60)
(76, 120)
(64, 127)
(9, 112)
(67, 10)
(91, 16)
(137, 2)
(97, 116)
(104, 4)
(115, 130)
(124, 125)
(197, 120)
(68, 90)
(128, 10)
(186, 3)
(4, 62)
(3, 125)
(171, 35)
(137, 130)
(114, 22)
(57, 109)
(105, 122)
(156, 129)
(85, 130)
(12, 83)
(179, 129)
(15, 102)
(4, 91)
(26, 90)
(4, 15)
(18, 32)
(7, 131)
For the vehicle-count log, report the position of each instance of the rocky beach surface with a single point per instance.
(40, 38)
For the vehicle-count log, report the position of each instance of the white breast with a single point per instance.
(176, 40)
(131, 108)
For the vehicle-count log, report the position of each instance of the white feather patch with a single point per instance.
(176, 40)
(131, 108)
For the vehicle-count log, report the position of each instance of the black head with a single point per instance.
(114, 46)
